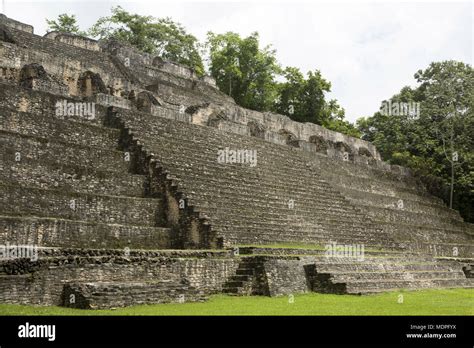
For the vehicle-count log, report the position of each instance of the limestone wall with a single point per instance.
(41, 282)
(15, 24)
(74, 40)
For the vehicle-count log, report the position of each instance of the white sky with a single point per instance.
(368, 50)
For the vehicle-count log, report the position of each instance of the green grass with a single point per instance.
(426, 302)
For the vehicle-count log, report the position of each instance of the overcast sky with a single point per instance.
(368, 50)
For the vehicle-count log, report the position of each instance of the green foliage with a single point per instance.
(161, 36)
(249, 74)
(243, 70)
(427, 143)
(304, 100)
(65, 24)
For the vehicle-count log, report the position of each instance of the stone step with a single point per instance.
(341, 277)
(407, 217)
(21, 148)
(262, 236)
(317, 250)
(39, 231)
(269, 208)
(373, 175)
(384, 184)
(421, 233)
(93, 256)
(66, 129)
(387, 188)
(19, 200)
(73, 177)
(240, 277)
(231, 291)
(393, 285)
(189, 179)
(291, 224)
(427, 214)
(384, 267)
(245, 271)
(43, 103)
(378, 200)
(195, 169)
(162, 128)
(161, 132)
(206, 158)
(100, 295)
(234, 284)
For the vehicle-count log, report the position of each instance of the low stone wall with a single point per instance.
(15, 24)
(42, 282)
(79, 234)
(146, 63)
(286, 275)
(117, 294)
(74, 40)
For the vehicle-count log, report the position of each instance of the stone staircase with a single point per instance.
(402, 207)
(244, 280)
(247, 204)
(376, 271)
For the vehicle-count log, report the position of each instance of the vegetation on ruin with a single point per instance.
(247, 72)
(160, 36)
(65, 24)
(426, 302)
(251, 75)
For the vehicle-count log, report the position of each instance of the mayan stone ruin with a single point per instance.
(132, 180)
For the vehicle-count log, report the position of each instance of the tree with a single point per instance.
(438, 144)
(448, 88)
(304, 100)
(161, 36)
(243, 70)
(65, 24)
(335, 120)
(290, 91)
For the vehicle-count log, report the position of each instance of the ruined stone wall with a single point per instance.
(15, 24)
(286, 276)
(124, 69)
(64, 62)
(42, 282)
(74, 40)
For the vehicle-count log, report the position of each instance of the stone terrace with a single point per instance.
(131, 204)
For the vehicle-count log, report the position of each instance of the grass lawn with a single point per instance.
(427, 302)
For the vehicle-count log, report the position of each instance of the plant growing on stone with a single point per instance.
(161, 36)
(66, 24)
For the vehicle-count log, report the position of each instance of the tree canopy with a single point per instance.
(161, 36)
(250, 74)
(65, 24)
(442, 131)
(243, 70)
